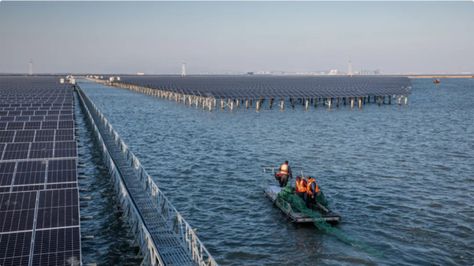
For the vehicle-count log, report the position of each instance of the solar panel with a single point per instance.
(58, 208)
(62, 171)
(15, 248)
(27, 112)
(17, 201)
(44, 135)
(40, 113)
(7, 118)
(30, 172)
(7, 136)
(33, 124)
(22, 118)
(41, 150)
(25, 136)
(66, 124)
(65, 149)
(49, 124)
(64, 134)
(16, 151)
(51, 118)
(53, 248)
(15, 125)
(6, 173)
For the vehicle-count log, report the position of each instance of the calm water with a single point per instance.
(401, 177)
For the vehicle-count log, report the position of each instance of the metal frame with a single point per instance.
(164, 209)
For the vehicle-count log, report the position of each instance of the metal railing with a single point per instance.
(173, 219)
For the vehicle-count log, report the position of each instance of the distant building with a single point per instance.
(30, 67)
(183, 69)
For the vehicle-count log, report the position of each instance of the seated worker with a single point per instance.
(312, 191)
(283, 174)
(300, 187)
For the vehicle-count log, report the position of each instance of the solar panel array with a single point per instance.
(39, 198)
(255, 87)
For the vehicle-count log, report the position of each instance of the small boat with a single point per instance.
(436, 81)
(322, 213)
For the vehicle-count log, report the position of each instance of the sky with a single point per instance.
(233, 37)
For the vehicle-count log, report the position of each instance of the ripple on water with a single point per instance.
(111, 244)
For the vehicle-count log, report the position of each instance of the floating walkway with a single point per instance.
(165, 238)
(269, 92)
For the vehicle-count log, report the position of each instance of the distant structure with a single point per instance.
(183, 70)
(349, 68)
(30, 67)
(333, 72)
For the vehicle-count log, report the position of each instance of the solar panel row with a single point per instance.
(39, 206)
(37, 150)
(254, 87)
(43, 172)
(13, 125)
(40, 135)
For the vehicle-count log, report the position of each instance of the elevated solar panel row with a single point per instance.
(254, 87)
(39, 206)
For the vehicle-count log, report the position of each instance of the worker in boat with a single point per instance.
(312, 192)
(300, 187)
(284, 173)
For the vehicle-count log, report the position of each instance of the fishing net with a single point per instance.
(290, 201)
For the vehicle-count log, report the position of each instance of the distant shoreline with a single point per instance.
(412, 76)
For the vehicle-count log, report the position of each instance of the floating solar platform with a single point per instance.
(39, 197)
(236, 91)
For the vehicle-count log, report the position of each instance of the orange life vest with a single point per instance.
(301, 186)
(308, 186)
(283, 169)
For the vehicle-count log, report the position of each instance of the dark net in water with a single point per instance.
(291, 201)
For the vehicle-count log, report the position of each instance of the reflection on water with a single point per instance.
(400, 176)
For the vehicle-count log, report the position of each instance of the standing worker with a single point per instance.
(284, 173)
(300, 187)
(312, 191)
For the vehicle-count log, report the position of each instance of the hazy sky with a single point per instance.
(218, 37)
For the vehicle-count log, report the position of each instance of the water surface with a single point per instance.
(113, 241)
(400, 176)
